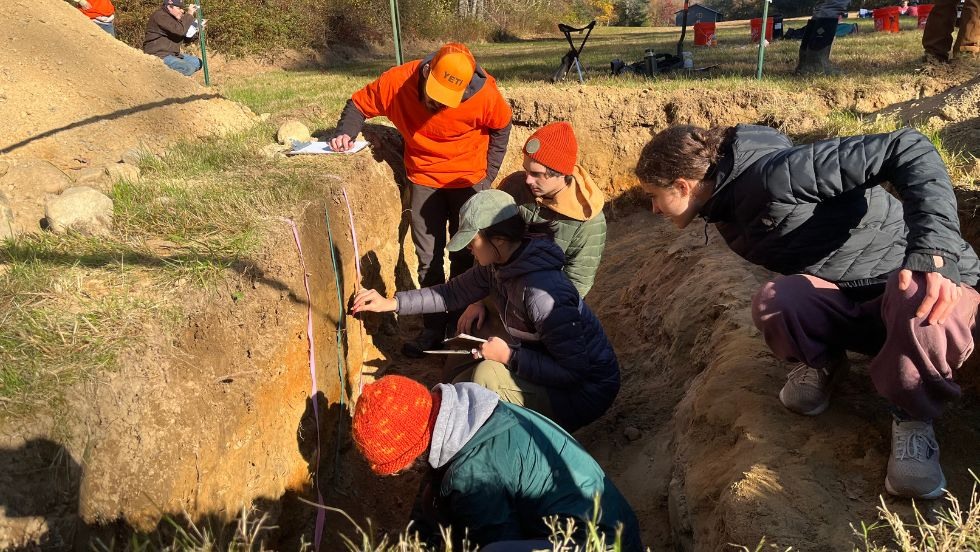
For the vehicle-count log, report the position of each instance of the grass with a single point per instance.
(65, 313)
(70, 304)
(251, 531)
(183, 535)
(954, 529)
(867, 56)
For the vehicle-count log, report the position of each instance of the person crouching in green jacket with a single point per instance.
(496, 472)
(553, 189)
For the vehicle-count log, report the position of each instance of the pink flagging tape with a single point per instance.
(357, 267)
(320, 512)
(353, 235)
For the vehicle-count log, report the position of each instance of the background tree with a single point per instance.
(631, 13)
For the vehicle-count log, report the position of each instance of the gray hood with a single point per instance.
(464, 409)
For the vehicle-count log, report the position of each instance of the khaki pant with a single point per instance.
(937, 39)
(497, 378)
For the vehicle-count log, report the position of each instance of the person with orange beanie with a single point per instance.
(455, 125)
(494, 472)
(554, 190)
(101, 12)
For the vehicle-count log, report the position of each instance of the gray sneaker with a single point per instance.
(913, 468)
(807, 390)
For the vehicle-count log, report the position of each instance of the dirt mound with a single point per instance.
(955, 113)
(73, 95)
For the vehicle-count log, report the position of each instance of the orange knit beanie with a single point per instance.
(393, 423)
(554, 146)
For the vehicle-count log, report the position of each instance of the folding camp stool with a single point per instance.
(572, 56)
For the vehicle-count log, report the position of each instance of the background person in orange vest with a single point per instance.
(101, 12)
(937, 38)
(455, 125)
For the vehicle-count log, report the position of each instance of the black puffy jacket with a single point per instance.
(562, 344)
(819, 209)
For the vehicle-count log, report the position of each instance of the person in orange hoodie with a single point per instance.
(553, 189)
(455, 125)
(101, 12)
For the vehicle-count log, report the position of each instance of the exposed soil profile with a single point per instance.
(218, 416)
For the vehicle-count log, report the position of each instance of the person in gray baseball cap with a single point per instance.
(556, 358)
(169, 27)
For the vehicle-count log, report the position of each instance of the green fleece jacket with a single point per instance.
(517, 469)
(580, 227)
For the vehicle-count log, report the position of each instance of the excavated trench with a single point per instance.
(220, 417)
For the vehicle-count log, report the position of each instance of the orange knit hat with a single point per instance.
(554, 146)
(393, 423)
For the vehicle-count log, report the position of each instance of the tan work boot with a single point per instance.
(913, 467)
(807, 390)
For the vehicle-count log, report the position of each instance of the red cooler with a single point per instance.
(704, 34)
(924, 10)
(756, 26)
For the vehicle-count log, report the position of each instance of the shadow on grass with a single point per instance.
(21, 251)
(108, 117)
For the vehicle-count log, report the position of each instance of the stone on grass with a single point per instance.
(132, 157)
(6, 218)
(91, 175)
(291, 131)
(81, 209)
(36, 174)
(275, 150)
(122, 171)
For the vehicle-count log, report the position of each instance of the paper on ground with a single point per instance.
(313, 148)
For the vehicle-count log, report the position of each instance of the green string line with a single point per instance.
(341, 315)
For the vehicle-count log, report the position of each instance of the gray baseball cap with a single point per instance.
(484, 209)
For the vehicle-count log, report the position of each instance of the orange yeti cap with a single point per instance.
(393, 423)
(554, 146)
(450, 73)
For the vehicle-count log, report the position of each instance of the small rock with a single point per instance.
(293, 130)
(274, 150)
(90, 175)
(123, 171)
(36, 174)
(82, 209)
(132, 157)
(632, 433)
(264, 116)
(4, 165)
(6, 218)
